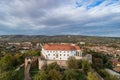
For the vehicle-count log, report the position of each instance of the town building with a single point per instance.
(15, 44)
(26, 45)
(115, 62)
(61, 51)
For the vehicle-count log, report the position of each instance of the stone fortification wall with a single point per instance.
(42, 63)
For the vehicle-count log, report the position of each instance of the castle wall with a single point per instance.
(42, 63)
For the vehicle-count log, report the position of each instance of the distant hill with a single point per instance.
(60, 38)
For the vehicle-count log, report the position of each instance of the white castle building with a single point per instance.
(61, 51)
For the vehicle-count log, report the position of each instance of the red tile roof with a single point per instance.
(117, 69)
(60, 47)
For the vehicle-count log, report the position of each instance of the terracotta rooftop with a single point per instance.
(114, 60)
(60, 47)
(117, 69)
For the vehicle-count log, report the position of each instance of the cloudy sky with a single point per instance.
(56, 17)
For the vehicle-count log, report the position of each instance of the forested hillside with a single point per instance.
(59, 38)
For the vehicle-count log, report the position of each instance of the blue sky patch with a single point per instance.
(95, 3)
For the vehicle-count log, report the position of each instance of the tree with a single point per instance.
(106, 75)
(41, 76)
(86, 66)
(98, 63)
(18, 59)
(92, 76)
(54, 75)
(53, 66)
(112, 77)
(7, 75)
(81, 76)
(79, 64)
(71, 75)
(72, 63)
(6, 63)
(108, 65)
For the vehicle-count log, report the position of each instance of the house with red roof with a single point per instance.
(61, 51)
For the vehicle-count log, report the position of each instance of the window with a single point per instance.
(77, 53)
(60, 54)
(64, 54)
(56, 55)
(74, 54)
(67, 54)
(60, 58)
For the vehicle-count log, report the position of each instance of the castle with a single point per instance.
(60, 51)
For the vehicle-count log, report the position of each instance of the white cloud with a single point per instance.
(41, 15)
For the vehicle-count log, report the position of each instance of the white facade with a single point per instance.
(60, 54)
